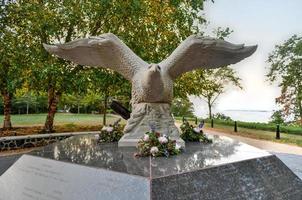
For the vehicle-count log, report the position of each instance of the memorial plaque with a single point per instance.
(36, 178)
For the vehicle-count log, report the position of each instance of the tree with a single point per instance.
(222, 116)
(12, 62)
(109, 85)
(91, 101)
(153, 29)
(25, 98)
(182, 107)
(286, 69)
(277, 117)
(47, 22)
(213, 83)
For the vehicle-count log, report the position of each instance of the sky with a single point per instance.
(262, 22)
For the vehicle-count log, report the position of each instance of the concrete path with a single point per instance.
(290, 155)
(261, 144)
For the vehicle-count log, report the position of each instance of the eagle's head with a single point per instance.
(154, 69)
(153, 74)
(152, 80)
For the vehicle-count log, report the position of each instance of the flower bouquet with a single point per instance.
(111, 133)
(153, 144)
(193, 134)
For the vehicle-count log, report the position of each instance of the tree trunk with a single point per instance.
(53, 99)
(105, 109)
(210, 111)
(210, 108)
(300, 111)
(299, 105)
(7, 110)
(27, 107)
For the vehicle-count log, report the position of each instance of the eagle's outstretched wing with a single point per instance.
(204, 52)
(106, 51)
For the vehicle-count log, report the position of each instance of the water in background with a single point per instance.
(249, 116)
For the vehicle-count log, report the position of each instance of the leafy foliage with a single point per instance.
(151, 28)
(286, 69)
(182, 107)
(13, 47)
(277, 117)
(109, 84)
(221, 116)
(210, 84)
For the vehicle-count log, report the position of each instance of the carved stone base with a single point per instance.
(145, 114)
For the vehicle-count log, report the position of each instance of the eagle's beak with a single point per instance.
(154, 68)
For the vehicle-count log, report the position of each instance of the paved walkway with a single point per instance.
(290, 155)
(262, 144)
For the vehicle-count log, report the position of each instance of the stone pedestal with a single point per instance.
(144, 115)
(81, 168)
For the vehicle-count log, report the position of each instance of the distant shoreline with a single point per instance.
(249, 110)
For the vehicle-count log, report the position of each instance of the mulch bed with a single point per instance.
(21, 131)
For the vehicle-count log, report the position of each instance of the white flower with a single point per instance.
(153, 151)
(162, 140)
(146, 138)
(109, 129)
(197, 130)
(177, 146)
(97, 137)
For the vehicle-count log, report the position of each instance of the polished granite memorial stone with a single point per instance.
(225, 169)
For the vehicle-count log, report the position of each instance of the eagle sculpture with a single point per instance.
(152, 84)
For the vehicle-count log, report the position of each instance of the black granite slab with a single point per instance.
(260, 178)
(85, 150)
(225, 169)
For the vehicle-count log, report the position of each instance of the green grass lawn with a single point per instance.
(259, 134)
(254, 133)
(61, 119)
